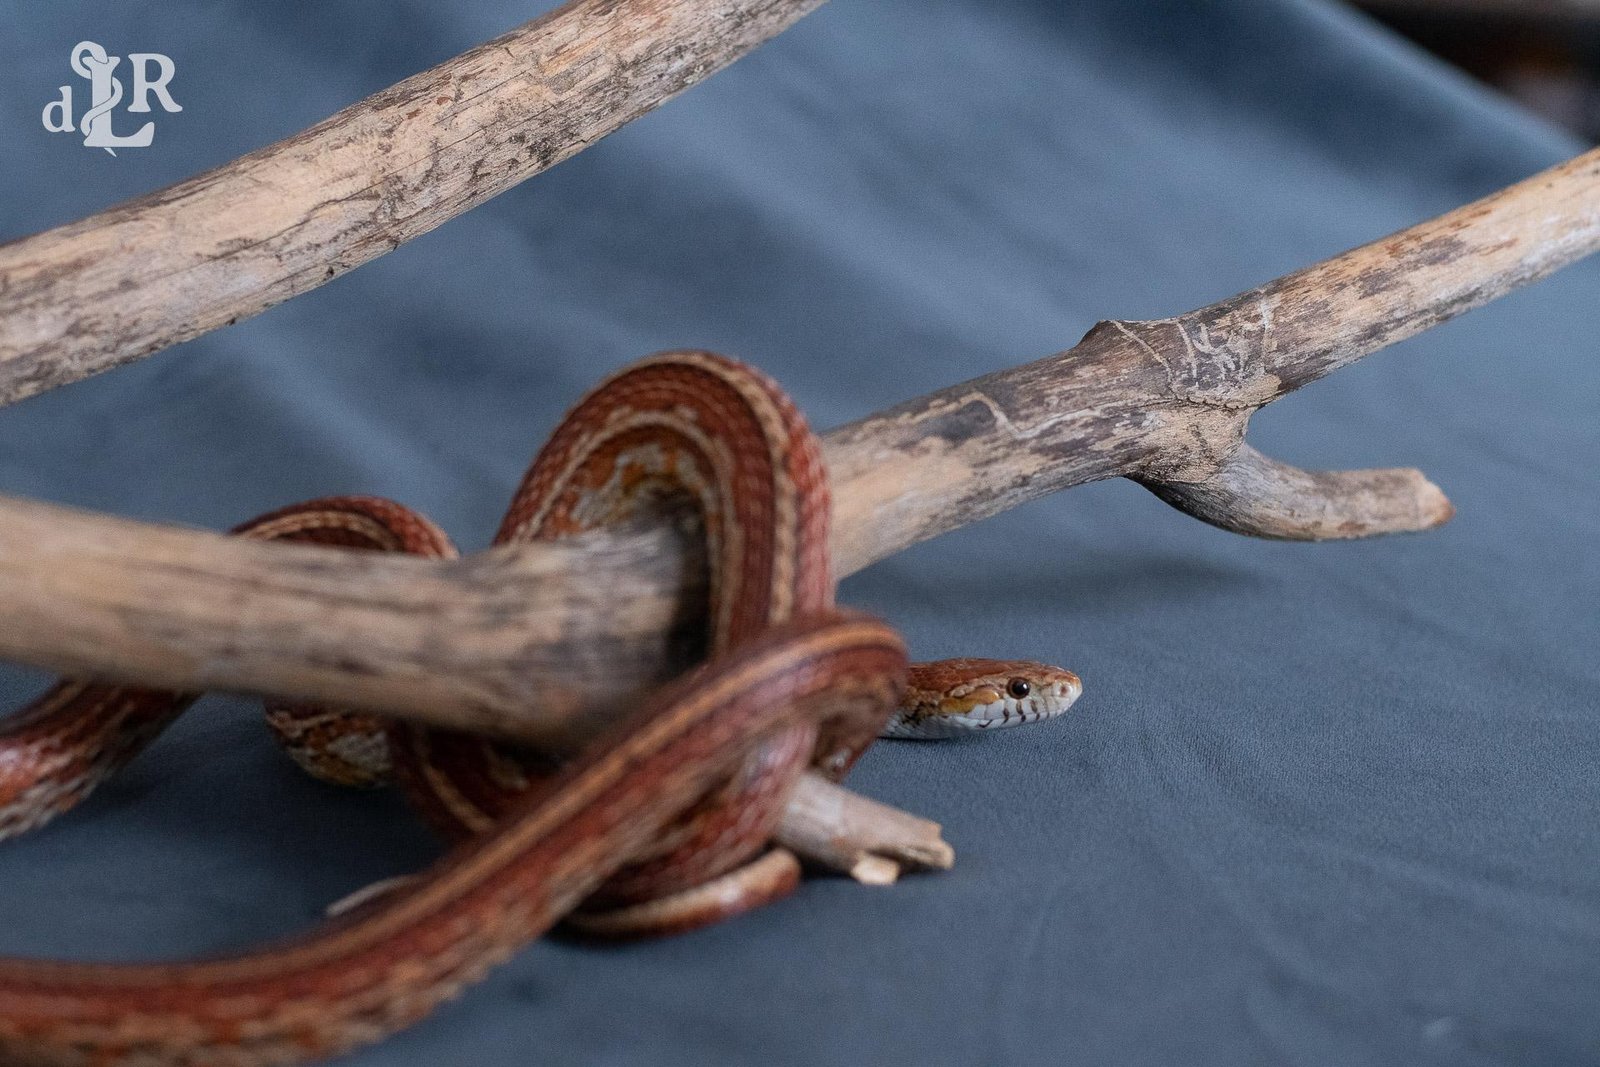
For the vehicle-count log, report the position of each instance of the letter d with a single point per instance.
(63, 108)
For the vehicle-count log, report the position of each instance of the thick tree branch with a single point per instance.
(233, 242)
(1272, 340)
(1168, 400)
(544, 641)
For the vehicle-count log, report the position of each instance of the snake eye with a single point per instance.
(1019, 687)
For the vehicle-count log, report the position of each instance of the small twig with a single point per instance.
(824, 824)
(832, 827)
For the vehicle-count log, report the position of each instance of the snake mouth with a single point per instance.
(1000, 717)
(967, 723)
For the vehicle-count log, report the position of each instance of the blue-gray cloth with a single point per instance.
(1333, 804)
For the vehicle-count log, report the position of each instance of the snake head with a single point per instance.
(951, 697)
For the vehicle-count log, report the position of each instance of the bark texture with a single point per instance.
(540, 641)
(230, 243)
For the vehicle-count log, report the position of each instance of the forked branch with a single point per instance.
(541, 641)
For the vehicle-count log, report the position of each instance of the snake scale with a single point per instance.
(660, 825)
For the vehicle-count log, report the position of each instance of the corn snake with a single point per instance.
(637, 834)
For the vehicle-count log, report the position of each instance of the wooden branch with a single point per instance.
(825, 824)
(544, 641)
(1276, 338)
(231, 243)
(842, 831)
(1251, 494)
(1167, 400)
(97, 597)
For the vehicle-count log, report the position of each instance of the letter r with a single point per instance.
(144, 85)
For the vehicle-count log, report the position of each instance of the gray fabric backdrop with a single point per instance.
(1321, 804)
